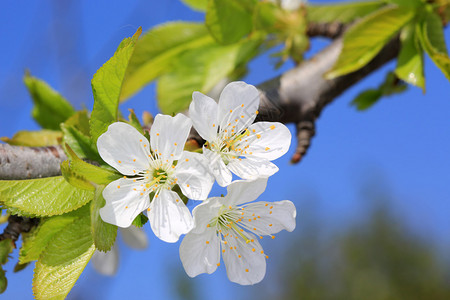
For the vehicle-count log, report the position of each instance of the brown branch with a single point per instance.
(329, 30)
(298, 96)
(16, 226)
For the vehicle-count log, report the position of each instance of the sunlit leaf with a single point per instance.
(42, 197)
(199, 5)
(229, 20)
(200, 70)
(39, 138)
(366, 38)
(157, 50)
(38, 240)
(106, 87)
(63, 260)
(50, 108)
(104, 234)
(341, 12)
(410, 60)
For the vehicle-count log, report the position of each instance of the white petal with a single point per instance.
(205, 212)
(218, 167)
(270, 140)
(123, 203)
(122, 147)
(106, 263)
(271, 217)
(203, 113)
(134, 237)
(238, 101)
(252, 167)
(200, 253)
(194, 177)
(242, 191)
(246, 264)
(169, 134)
(169, 217)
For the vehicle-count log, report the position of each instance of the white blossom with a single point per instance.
(151, 171)
(234, 144)
(227, 226)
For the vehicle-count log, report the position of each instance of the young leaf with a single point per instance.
(341, 12)
(410, 60)
(104, 234)
(134, 121)
(229, 20)
(366, 38)
(50, 108)
(200, 70)
(6, 247)
(39, 138)
(63, 260)
(391, 85)
(85, 174)
(36, 242)
(106, 86)
(199, 5)
(140, 220)
(42, 197)
(157, 50)
(431, 37)
(406, 3)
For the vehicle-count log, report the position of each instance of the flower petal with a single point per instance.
(169, 217)
(123, 203)
(271, 217)
(203, 113)
(238, 105)
(134, 237)
(124, 148)
(245, 262)
(169, 134)
(204, 213)
(106, 263)
(218, 167)
(200, 253)
(252, 167)
(193, 175)
(269, 140)
(242, 191)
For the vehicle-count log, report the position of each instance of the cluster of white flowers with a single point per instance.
(234, 145)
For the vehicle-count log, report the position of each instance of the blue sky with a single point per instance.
(399, 147)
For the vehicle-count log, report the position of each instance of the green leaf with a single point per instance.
(341, 12)
(410, 60)
(50, 108)
(63, 260)
(158, 49)
(199, 5)
(104, 234)
(35, 244)
(42, 197)
(6, 247)
(3, 281)
(134, 121)
(406, 3)
(229, 20)
(431, 36)
(106, 86)
(77, 136)
(366, 38)
(39, 138)
(140, 220)
(391, 85)
(200, 70)
(84, 175)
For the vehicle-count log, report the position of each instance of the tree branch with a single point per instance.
(298, 96)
